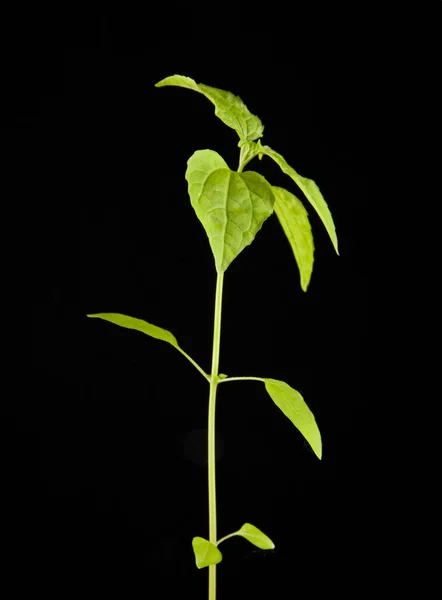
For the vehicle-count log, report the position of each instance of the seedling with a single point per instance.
(232, 207)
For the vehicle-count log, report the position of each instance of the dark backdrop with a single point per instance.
(110, 479)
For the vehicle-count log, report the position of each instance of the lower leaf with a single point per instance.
(206, 553)
(296, 410)
(256, 537)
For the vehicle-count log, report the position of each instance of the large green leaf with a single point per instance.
(309, 188)
(139, 325)
(231, 206)
(206, 553)
(294, 220)
(256, 536)
(228, 107)
(294, 407)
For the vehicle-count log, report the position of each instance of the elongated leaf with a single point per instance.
(138, 325)
(231, 206)
(294, 221)
(256, 536)
(294, 407)
(144, 327)
(228, 107)
(206, 553)
(311, 191)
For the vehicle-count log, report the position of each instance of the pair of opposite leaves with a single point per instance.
(286, 398)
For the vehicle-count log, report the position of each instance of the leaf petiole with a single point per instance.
(195, 364)
(241, 379)
(226, 537)
(248, 151)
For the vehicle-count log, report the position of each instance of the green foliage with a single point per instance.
(229, 108)
(256, 537)
(310, 190)
(296, 410)
(152, 330)
(138, 325)
(206, 554)
(231, 206)
(233, 112)
(294, 220)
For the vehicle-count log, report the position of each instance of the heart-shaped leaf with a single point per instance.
(228, 107)
(309, 188)
(294, 407)
(294, 221)
(256, 536)
(206, 553)
(231, 206)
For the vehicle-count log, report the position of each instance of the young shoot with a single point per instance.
(232, 206)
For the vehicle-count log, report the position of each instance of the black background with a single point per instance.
(109, 449)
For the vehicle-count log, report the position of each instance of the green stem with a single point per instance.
(211, 427)
(242, 163)
(246, 155)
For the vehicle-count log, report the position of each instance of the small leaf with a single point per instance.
(231, 206)
(294, 221)
(139, 325)
(311, 191)
(228, 107)
(248, 151)
(296, 410)
(206, 553)
(256, 537)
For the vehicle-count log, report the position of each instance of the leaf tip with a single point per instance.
(166, 81)
(316, 445)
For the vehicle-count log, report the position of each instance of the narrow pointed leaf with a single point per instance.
(256, 536)
(296, 410)
(228, 107)
(294, 221)
(311, 191)
(206, 553)
(231, 206)
(139, 325)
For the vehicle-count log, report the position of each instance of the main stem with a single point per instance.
(211, 427)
